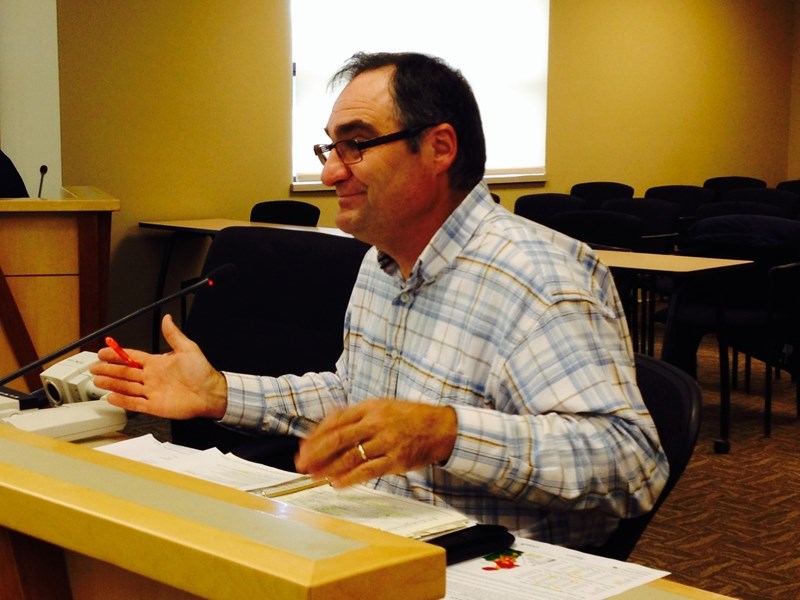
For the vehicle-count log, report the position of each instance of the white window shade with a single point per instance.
(500, 47)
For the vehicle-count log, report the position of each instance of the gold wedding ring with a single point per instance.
(363, 454)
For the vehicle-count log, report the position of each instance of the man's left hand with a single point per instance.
(377, 437)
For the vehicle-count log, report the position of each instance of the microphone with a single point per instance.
(217, 276)
(42, 171)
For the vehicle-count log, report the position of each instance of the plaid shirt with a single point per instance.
(521, 331)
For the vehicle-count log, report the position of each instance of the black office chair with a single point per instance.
(601, 228)
(674, 401)
(722, 208)
(688, 197)
(724, 183)
(11, 184)
(285, 212)
(660, 220)
(792, 185)
(597, 192)
(283, 314)
(541, 207)
(737, 304)
(787, 201)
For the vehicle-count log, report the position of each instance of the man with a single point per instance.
(486, 365)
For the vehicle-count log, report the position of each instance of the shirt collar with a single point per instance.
(448, 242)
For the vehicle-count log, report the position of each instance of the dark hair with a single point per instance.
(427, 91)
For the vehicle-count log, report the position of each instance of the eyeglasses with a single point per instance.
(349, 151)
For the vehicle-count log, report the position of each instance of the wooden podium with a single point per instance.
(54, 262)
(80, 524)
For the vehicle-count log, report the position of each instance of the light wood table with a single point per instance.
(78, 524)
(685, 271)
(54, 269)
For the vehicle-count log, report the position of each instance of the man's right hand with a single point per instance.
(180, 384)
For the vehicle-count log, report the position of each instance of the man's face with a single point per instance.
(382, 196)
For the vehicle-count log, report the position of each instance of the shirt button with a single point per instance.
(395, 354)
(405, 297)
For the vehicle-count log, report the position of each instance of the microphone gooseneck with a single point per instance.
(217, 276)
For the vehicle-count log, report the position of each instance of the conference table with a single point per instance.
(685, 272)
(78, 524)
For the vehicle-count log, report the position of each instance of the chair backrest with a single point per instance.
(718, 209)
(542, 207)
(11, 184)
(283, 313)
(788, 201)
(601, 228)
(674, 401)
(689, 197)
(724, 183)
(659, 216)
(285, 212)
(792, 185)
(595, 192)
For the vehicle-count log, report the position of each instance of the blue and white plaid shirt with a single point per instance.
(521, 331)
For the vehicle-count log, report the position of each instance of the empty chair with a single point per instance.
(542, 207)
(597, 192)
(285, 212)
(720, 185)
(792, 185)
(717, 209)
(660, 220)
(788, 201)
(688, 197)
(674, 401)
(601, 228)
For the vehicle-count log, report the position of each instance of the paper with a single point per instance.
(381, 510)
(211, 464)
(534, 569)
(360, 504)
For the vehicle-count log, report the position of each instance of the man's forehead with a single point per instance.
(365, 101)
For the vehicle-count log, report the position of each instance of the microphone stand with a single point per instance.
(219, 275)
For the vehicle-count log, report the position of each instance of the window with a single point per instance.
(500, 47)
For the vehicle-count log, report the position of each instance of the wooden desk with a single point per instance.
(109, 528)
(193, 228)
(78, 524)
(682, 269)
(54, 262)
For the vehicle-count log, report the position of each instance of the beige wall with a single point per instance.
(182, 109)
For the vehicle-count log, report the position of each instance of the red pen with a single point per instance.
(112, 343)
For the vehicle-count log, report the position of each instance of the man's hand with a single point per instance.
(377, 437)
(178, 385)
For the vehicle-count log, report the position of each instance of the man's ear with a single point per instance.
(443, 142)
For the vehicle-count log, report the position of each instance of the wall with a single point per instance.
(182, 109)
(793, 172)
(29, 115)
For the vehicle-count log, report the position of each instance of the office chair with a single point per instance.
(688, 197)
(285, 212)
(674, 401)
(722, 184)
(792, 185)
(722, 208)
(596, 192)
(787, 201)
(660, 221)
(283, 314)
(542, 207)
(11, 184)
(601, 228)
(739, 306)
